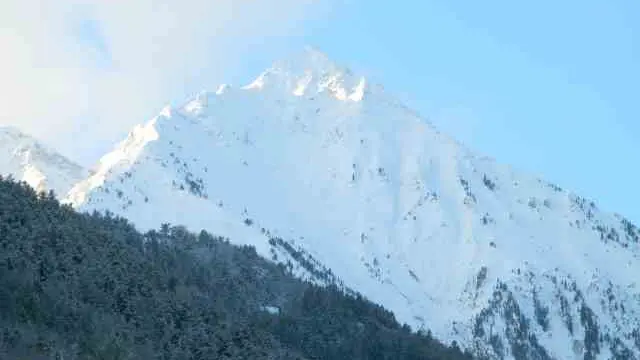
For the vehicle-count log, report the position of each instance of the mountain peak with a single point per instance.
(27, 159)
(370, 197)
(310, 71)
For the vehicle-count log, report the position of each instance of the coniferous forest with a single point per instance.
(89, 286)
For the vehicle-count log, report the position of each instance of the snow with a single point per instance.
(273, 310)
(42, 168)
(358, 91)
(313, 154)
(221, 89)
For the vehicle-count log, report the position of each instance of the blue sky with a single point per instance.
(549, 87)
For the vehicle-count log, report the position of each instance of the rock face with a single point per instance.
(24, 158)
(325, 172)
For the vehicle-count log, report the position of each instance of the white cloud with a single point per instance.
(80, 73)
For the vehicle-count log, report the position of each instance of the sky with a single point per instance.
(549, 87)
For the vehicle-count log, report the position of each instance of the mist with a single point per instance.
(79, 74)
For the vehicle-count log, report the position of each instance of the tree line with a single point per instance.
(89, 286)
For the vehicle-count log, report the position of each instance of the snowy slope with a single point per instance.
(318, 168)
(42, 168)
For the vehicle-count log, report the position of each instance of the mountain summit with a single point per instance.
(311, 72)
(320, 171)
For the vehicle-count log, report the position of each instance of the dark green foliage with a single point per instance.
(414, 276)
(487, 219)
(580, 203)
(609, 234)
(541, 312)
(196, 187)
(631, 231)
(524, 344)
(488, 183)
(470, 197)
(520, 339)
(481, 277)
(307, 261)
(619, 351)
(591, 332)
(565, 312)
(636, 337)
(89, 286)
(497, 346)
(555, 187)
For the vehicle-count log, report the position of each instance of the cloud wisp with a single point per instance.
(79, 73)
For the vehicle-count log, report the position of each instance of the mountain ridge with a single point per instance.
(322, 171)
(367, 188)
(41, 167)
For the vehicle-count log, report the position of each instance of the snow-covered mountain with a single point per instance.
(322, 170)
(26, 159)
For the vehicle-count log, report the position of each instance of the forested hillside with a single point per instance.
(80, 286)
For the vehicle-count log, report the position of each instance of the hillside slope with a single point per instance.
(43, 168)
(78, 286)
(321, 170)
